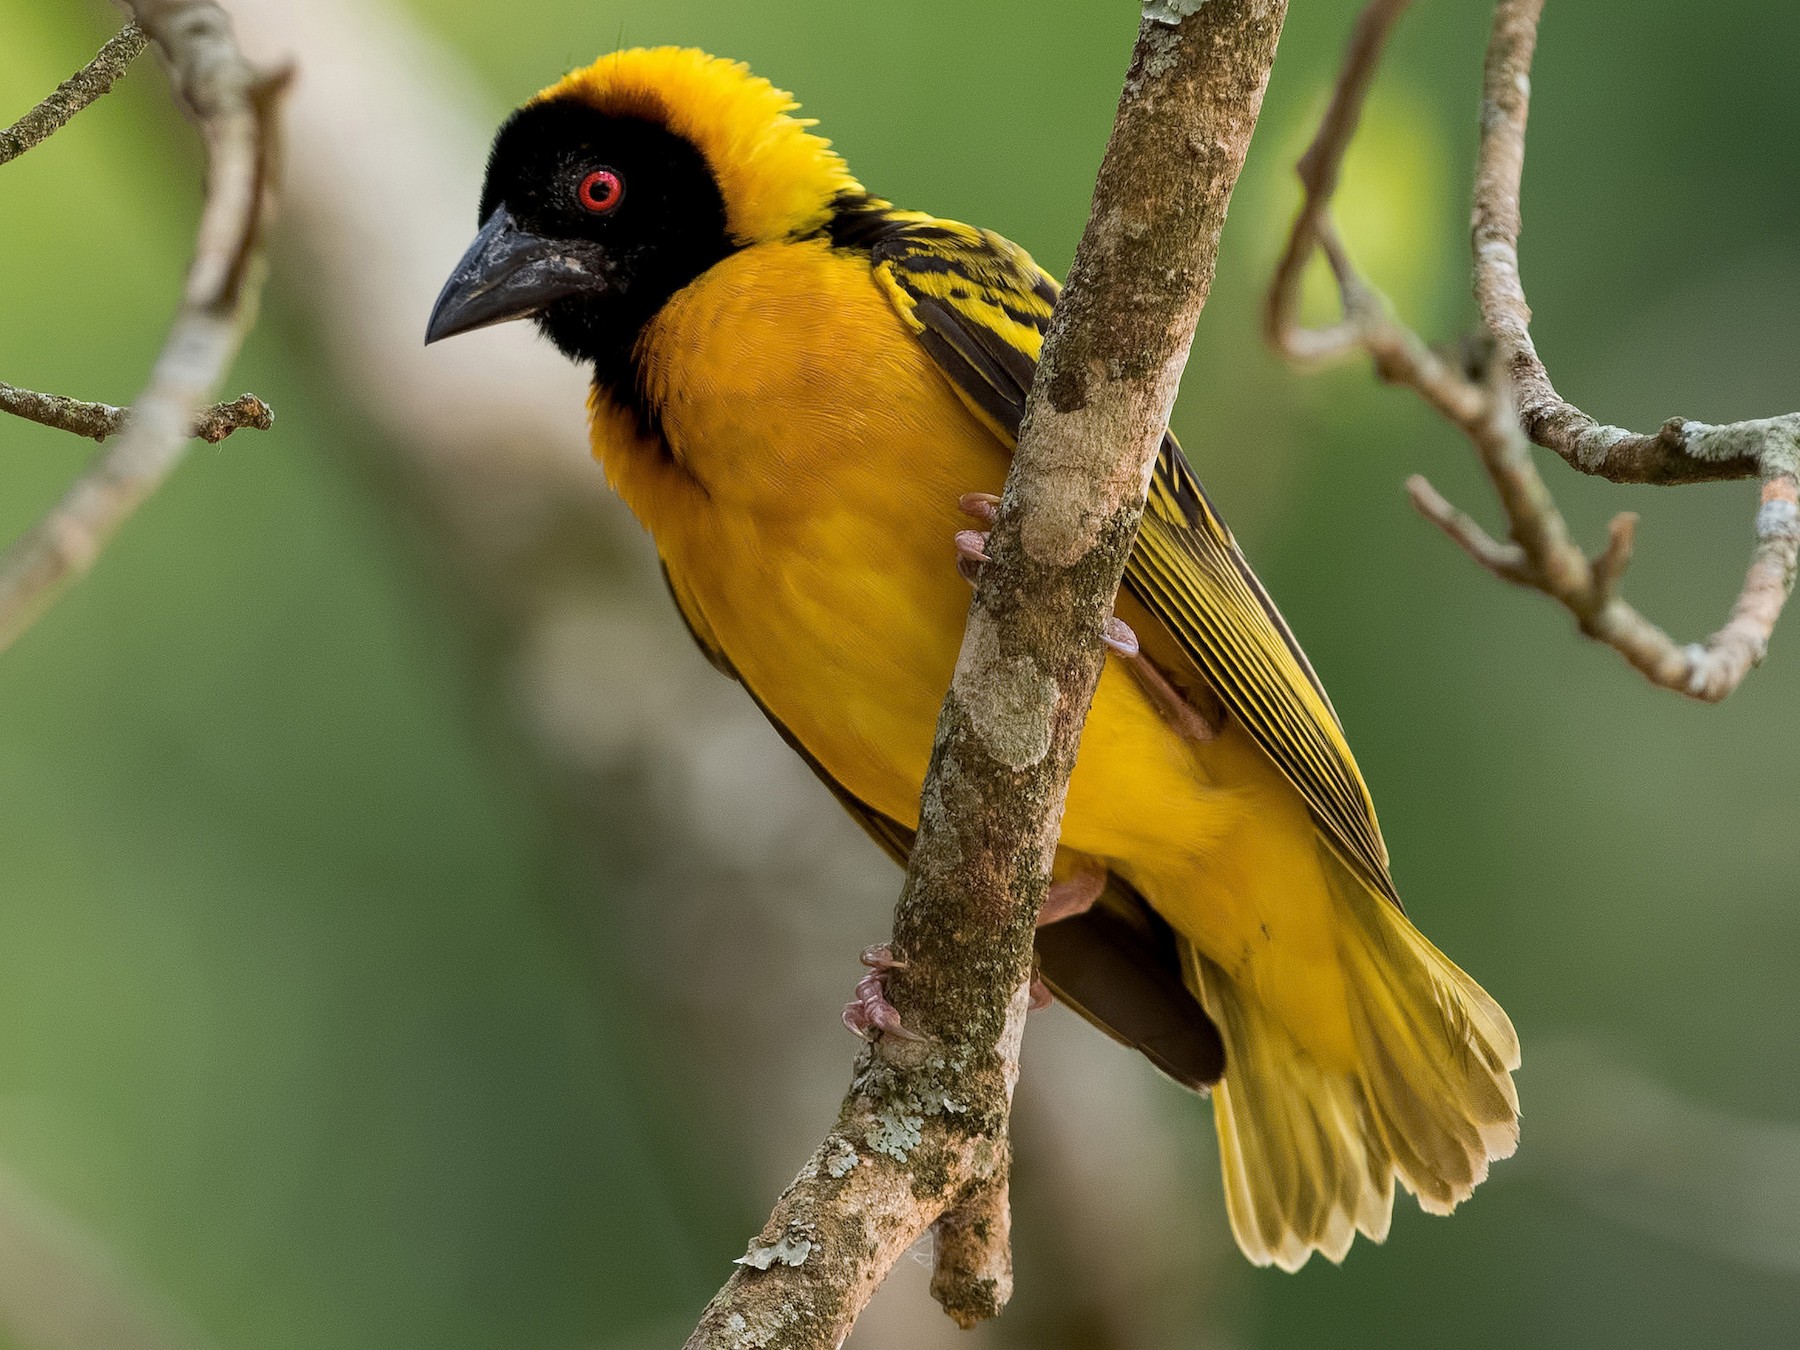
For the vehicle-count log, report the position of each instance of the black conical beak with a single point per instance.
(511, 273)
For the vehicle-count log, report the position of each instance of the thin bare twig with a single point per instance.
(1541, 555)
(236, 108)
(1681, 450)
(97, 421)
(73, 94)
(922, 1137)
(1318, 169)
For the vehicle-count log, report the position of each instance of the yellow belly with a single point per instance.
(808, 515)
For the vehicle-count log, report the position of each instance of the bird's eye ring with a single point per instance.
(601, 191)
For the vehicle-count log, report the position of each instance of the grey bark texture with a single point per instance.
(922, 1137)
(98, 421)
(92, 81)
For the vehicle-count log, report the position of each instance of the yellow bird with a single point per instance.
(800, 391)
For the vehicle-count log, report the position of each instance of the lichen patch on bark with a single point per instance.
(792, 1249)
(1009, 701)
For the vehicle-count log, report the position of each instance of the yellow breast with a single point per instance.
(803, 495)
(807, 500)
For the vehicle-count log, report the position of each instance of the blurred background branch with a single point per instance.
(237, 109)
(1628, 1148)
(97, 421)
(62, 1289)
(1542, 554)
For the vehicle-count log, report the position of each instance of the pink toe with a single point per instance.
(856, 1020)
(881, 957)
(984, 506)
(972, 545)
(1118, 635)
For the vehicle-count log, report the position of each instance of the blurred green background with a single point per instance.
(336, 1014)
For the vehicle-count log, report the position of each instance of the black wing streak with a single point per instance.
(997, 376)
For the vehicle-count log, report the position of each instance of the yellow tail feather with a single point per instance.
(1310, 1151)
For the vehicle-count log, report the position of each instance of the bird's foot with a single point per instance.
(1119, 638)
(1040, 997)
(984, 506)
(1193, 723)
(869, 1014)
(971, 552)
(971, 545)
(1197, 717)
(1178, 709)
(1075, 895)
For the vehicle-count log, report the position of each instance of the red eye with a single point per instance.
(601, 191)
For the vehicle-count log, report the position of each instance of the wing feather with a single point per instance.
(980, 307)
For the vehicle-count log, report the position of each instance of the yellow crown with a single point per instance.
(778, 178)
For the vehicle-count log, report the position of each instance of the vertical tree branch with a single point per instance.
(235, 107)
(921, 1138)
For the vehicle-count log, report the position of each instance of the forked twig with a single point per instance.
(1681, 450)
(1480, 401)
(235, 107)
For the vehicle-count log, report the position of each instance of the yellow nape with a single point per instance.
(778, 177)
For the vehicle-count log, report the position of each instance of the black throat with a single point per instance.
(669, 228)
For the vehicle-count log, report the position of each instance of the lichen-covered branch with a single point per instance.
(98, 421)
(89, 83)
(235, 107)
(1681, 450)
(1478, 394)
(921, 1140)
